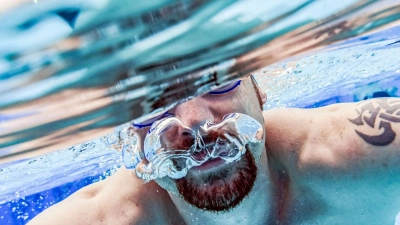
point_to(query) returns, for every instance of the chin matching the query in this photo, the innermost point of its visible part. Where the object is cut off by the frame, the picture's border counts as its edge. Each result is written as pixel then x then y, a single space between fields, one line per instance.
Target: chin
pixel 217 186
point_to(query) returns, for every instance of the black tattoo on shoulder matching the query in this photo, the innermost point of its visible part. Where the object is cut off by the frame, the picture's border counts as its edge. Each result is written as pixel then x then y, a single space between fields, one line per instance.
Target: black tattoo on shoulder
pixel 382 112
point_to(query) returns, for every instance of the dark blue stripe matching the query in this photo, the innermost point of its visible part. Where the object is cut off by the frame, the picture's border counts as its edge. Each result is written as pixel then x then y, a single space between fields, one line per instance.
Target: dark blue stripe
pixel 225 91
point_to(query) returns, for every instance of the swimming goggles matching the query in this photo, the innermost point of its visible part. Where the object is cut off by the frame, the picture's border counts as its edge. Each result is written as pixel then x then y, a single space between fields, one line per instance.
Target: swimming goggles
pixel 147 121
pixel 166 155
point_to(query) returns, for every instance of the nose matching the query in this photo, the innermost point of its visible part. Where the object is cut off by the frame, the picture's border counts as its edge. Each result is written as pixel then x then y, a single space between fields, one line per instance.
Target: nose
pixel 194 113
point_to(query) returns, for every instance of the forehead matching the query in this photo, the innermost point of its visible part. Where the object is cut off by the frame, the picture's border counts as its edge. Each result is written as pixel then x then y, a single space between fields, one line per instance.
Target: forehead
pixel 180 91
pixel 166 103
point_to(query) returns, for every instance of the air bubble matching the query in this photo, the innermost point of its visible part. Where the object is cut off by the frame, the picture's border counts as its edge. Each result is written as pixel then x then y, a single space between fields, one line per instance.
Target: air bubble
pixel 157 160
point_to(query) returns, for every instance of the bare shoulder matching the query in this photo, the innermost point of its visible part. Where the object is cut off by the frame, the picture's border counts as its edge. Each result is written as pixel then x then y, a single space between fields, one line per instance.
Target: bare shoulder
pixel 337 135
pixel 286 128
pixel 338 152
pixel 79 208
pixel 119 199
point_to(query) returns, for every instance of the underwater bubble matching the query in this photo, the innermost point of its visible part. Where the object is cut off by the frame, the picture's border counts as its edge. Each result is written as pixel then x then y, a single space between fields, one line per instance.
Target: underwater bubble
pixel 166 154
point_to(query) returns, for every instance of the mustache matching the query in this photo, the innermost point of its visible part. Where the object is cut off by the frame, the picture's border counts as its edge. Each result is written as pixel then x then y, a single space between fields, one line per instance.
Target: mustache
pixel 212 137
pixel 206 141
pixel 214 145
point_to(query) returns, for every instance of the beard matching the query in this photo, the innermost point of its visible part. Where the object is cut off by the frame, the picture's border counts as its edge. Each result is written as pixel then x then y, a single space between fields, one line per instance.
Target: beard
pixel 222 190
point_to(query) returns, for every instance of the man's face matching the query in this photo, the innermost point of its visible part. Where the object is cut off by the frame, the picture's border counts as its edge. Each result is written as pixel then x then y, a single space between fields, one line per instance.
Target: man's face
pixel 216 185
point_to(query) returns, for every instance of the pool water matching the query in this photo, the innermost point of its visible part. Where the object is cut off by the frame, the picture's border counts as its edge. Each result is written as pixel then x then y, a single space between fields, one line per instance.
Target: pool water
pixel 357 69
pixel 30 186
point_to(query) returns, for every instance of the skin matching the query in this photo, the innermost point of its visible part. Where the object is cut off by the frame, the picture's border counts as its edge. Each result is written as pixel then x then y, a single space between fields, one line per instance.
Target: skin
pixel 319 166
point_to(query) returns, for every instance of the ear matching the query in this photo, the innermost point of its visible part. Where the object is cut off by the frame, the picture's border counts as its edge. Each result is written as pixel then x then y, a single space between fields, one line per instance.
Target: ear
pixel 263 95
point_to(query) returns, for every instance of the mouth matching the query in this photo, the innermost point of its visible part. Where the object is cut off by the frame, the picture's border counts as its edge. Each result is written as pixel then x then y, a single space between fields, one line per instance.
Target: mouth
pixel 221 190
pixel 216 162
pixel 210 166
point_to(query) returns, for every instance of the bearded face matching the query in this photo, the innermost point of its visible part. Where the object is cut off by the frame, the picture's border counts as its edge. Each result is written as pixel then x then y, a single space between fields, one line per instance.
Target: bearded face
pixel 221 188
pixel 215 185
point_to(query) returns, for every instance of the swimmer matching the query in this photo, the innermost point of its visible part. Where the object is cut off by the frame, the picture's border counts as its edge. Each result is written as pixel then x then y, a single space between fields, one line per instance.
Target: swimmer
pixel 337 164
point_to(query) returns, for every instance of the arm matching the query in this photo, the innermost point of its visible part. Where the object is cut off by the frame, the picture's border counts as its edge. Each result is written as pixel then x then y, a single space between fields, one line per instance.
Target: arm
pixel 79 208
pixel 339 135
pixel 104 202
pixel 119 199
pixel 345 151
pixel 361 136
pixel 344 155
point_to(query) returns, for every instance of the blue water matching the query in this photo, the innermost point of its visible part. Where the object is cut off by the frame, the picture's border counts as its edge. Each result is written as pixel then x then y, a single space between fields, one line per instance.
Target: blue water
pixel 358 69
pixel 30 186
pixel 21 210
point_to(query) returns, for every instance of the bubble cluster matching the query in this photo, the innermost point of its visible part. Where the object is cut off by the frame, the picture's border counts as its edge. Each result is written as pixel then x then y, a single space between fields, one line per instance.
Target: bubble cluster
pixel 160 157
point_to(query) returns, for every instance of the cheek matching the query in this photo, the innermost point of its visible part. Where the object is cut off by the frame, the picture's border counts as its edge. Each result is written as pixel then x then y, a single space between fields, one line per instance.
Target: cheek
pixel 248 104
pixel 245 102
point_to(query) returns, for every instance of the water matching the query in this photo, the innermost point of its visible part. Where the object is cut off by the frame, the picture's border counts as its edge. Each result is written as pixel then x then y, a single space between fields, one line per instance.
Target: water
pixel 357 69
pixel 30 186
pixel 345 74
pixel 115 59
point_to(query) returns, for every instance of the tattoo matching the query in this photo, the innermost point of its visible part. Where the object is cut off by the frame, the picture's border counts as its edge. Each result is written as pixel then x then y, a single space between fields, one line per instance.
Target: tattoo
pixel 386 112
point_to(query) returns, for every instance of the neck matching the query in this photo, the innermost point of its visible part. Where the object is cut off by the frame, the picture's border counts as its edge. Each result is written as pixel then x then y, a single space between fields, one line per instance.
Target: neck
pixel 254 209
